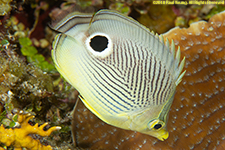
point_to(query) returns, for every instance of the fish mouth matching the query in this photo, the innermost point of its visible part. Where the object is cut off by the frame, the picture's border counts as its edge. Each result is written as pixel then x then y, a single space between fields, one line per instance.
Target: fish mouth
pixel 164 136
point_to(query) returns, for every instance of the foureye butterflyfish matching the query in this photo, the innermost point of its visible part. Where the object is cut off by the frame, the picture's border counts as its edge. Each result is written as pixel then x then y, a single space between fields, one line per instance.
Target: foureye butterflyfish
pixel 125 74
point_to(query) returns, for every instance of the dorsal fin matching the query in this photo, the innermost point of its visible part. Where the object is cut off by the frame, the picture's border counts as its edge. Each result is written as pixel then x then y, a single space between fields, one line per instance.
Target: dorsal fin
pixel 71 20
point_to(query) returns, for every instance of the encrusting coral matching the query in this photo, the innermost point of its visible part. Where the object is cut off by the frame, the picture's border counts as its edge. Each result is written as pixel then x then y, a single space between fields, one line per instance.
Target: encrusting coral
pixel 25 87
pixel 19 137
pixel 5 7
pixel 197 115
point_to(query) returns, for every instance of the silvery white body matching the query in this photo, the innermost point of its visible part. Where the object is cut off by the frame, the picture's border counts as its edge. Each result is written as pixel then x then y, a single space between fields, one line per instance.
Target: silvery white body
pixel 129 83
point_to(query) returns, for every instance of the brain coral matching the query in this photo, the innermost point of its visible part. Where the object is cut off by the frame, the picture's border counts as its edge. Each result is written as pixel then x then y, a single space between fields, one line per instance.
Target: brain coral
pixel 197 116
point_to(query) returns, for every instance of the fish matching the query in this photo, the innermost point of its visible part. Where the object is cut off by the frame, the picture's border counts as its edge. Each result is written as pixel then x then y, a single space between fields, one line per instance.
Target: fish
pixel 125 74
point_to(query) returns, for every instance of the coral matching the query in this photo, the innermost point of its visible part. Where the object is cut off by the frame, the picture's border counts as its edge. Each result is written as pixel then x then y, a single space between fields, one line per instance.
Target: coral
pixel 197 115
pixel 18 137
pixel 22 85
pixel 5 7
pixel 25 87
pixel 158 18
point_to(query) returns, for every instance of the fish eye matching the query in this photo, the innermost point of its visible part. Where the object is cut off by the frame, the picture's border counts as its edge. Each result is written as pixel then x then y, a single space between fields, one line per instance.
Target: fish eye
pixel 99 44
pixel 156 124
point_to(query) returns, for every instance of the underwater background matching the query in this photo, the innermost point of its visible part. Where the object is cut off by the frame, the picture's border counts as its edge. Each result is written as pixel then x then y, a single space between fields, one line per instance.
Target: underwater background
pixel 30 82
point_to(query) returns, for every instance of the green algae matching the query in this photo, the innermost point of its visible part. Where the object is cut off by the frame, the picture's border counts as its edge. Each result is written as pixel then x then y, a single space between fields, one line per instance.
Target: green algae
pixel 33 56
pixel 4 43
pixel 215 10
pixel 121 7
pixel 180 21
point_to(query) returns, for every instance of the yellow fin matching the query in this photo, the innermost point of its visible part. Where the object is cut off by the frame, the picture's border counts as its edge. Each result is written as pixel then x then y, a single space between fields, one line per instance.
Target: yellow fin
pixel 92 109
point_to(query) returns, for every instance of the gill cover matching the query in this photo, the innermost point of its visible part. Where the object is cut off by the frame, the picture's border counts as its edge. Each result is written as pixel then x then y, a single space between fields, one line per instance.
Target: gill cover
pixel 125 74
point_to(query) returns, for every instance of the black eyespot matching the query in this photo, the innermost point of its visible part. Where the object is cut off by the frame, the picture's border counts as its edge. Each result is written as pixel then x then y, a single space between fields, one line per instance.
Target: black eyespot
pixel 99 43
pixel 157 126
